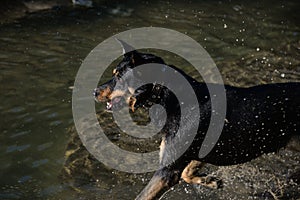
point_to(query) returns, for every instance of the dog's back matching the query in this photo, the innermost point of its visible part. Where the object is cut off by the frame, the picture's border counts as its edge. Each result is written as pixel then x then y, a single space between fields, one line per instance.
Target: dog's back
pixel 259 120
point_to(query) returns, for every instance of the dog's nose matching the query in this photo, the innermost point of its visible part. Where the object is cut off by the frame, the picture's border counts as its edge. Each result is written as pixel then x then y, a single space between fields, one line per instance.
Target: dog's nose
pixel 96 92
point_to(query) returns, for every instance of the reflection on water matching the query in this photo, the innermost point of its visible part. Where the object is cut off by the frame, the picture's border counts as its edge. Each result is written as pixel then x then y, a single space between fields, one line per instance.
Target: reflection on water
pixel 251 43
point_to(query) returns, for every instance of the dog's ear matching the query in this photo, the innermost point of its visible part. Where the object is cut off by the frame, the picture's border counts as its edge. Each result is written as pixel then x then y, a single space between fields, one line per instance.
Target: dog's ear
pixel 127 49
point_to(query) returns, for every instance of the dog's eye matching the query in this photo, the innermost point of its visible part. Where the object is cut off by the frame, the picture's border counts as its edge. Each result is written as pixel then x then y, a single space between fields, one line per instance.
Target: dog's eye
pixel 118 75
pixel 115 72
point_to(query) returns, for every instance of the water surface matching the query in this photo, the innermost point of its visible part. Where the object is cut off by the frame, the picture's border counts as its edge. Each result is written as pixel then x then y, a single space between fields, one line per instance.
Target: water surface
pixel 251 42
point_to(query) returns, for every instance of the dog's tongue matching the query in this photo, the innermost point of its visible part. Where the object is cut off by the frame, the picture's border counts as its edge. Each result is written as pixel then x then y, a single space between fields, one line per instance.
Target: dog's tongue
pixel 116 100
pixel 109 104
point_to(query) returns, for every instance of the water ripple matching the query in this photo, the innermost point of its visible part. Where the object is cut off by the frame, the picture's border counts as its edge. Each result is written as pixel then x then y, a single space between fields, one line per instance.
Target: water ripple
pixel 17 148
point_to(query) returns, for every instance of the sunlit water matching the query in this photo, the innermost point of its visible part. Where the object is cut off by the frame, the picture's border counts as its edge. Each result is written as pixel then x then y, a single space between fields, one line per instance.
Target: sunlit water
pixel 252 43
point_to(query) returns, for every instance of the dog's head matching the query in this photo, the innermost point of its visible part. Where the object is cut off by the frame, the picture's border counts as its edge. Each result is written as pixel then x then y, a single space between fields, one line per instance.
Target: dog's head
pixel 116 97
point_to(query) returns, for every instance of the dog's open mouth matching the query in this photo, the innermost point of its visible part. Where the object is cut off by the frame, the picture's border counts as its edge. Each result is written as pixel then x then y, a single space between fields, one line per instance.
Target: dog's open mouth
pixel 117 100
pixel 115 103
pixel 109 105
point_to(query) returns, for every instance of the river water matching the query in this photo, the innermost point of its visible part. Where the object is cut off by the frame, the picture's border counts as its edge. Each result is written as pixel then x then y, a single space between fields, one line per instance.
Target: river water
pixel 251 43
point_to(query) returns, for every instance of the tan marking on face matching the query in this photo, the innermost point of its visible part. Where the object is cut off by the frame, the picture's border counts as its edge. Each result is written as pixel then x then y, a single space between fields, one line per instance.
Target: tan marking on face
pixel 116 93
pixel 115 72
pixel 130 100
pixel 103 94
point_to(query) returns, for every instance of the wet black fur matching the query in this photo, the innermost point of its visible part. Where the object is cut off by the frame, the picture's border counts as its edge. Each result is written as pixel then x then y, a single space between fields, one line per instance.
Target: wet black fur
pixel 259 119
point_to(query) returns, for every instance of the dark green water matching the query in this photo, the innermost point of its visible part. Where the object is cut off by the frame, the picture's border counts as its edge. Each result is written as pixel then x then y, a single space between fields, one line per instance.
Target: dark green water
pixel 251 43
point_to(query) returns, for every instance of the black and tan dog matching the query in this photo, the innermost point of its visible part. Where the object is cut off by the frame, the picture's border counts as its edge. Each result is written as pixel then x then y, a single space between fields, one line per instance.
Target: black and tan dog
pixel 259 120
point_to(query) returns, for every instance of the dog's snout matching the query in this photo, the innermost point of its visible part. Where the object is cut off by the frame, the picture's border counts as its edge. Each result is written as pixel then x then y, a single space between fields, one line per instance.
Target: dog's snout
pixel 96 92
pixel 102 93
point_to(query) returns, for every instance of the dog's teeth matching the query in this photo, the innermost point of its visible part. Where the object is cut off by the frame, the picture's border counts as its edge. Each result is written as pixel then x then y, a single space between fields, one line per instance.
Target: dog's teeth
pixel 108 105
